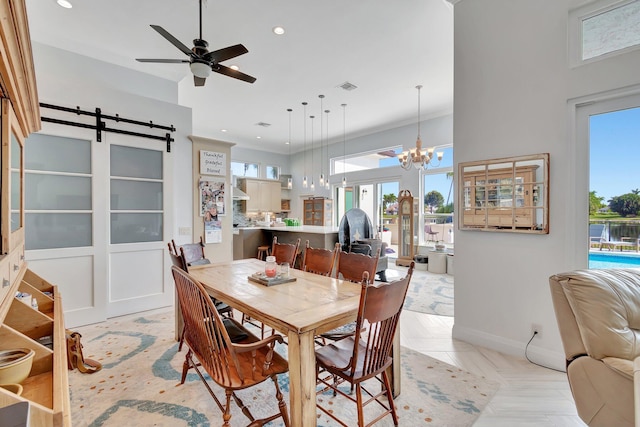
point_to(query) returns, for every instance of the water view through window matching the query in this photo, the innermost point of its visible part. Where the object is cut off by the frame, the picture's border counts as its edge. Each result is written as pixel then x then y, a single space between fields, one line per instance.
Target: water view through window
pixel 614 189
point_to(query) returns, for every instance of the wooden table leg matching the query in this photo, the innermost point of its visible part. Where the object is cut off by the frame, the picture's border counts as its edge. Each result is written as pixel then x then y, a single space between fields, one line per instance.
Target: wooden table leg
pixel 302 379
pixel 394 371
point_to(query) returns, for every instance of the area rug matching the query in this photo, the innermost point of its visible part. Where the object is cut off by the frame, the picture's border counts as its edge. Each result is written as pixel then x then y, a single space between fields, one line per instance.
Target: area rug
pixel 428 293
pixel 139 384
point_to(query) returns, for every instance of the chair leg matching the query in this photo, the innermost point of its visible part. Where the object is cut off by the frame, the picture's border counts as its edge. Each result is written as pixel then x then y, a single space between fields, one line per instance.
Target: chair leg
pixel 181 340
pixel 185 366
pixel 359 405
pixel 227 409
pixel 281 403
pixel 392 405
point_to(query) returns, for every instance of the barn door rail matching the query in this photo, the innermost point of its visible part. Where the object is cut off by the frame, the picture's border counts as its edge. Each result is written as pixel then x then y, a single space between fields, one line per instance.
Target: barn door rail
pixel 100 125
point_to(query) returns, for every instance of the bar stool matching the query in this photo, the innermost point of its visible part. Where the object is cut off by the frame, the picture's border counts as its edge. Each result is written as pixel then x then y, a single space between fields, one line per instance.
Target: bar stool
pixel 263 252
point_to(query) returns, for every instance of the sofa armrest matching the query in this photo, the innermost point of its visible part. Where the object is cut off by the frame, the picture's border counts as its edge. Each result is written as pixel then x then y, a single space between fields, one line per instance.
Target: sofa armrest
pixel 636 390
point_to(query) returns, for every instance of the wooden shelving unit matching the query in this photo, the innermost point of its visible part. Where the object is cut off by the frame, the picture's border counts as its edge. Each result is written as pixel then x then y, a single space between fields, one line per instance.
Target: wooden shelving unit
pixel 47 387
pixel 21 326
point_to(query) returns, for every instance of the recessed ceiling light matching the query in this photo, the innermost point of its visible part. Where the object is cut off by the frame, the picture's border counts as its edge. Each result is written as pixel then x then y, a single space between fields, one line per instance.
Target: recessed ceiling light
pixel 65 3
pixel 258 137
pixel 223 130
pixel 278 30
pixel 234 67
pixel 286 143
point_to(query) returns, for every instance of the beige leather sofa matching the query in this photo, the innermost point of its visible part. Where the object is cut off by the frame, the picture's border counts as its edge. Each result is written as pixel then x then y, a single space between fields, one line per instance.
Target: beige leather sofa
pixel 598 314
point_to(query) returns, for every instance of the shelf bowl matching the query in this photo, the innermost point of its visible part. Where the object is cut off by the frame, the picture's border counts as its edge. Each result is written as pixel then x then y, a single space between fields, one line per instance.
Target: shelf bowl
pixel 13 388
pixel 15 365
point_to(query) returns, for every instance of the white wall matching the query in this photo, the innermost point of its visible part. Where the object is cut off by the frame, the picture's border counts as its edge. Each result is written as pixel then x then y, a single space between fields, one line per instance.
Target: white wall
pixel 515 94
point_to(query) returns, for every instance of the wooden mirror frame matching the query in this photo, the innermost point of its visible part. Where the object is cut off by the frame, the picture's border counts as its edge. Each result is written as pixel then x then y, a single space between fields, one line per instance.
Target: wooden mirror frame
pixel 489 201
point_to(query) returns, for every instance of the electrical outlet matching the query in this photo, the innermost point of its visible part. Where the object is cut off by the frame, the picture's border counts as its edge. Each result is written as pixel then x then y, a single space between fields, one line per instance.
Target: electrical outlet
pixel 536 327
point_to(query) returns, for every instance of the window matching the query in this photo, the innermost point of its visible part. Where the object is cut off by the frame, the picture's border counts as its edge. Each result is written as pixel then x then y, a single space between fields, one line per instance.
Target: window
pixel 250 170
pixel 365 161
pixel 58 179
pixel 273 172
pixel 603 28
pixel 136 195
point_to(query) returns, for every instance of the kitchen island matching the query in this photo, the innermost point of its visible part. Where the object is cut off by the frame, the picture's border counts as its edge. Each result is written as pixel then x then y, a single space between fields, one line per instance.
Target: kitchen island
pixel 247 239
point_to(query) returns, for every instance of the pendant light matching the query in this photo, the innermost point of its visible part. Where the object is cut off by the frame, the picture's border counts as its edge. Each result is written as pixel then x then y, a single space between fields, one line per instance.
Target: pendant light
pixel 304 117
pixel 321 180
pixel 312 186
pixel 328 162
pixel 289 180
pixel 344 145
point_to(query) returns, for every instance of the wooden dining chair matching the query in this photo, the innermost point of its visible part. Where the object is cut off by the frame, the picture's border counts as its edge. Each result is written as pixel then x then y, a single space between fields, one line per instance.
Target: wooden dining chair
pixel 319 260
pixel 194 253
pixel 352 264
pixel 179 261
pixel 285 252
pixel 367 353
pixel 233 366
pixel 351 267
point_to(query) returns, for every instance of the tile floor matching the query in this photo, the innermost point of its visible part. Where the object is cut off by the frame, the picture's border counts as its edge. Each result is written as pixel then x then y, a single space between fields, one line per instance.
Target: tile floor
pixel 529 395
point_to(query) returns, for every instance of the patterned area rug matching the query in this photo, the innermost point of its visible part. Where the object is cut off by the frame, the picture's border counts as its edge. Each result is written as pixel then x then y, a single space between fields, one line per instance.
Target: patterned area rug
pixel 139 384
pixel 428 293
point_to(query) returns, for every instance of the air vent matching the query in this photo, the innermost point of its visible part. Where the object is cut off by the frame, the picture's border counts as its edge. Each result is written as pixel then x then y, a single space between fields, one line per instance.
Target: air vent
pixel 348 86
pixel 263 124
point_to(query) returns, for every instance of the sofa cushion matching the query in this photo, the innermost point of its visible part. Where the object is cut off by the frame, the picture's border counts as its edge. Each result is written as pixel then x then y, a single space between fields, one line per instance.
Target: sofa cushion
pixel 606 305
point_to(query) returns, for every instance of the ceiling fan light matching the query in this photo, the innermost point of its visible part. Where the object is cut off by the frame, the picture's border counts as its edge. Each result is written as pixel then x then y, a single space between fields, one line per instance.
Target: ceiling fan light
pixel 200 69
pixel 64 3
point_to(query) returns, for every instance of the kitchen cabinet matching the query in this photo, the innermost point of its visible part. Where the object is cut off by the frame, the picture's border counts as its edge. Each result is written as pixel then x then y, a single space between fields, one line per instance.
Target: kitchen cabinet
pixel 264 195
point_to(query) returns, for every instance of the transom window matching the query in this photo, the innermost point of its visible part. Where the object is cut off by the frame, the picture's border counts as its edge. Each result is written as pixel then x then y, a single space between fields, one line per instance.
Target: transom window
pixel 250 170
pixel 603 28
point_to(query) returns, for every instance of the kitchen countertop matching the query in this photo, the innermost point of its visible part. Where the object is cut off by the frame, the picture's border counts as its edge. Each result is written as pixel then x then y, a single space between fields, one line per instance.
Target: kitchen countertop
pixel 312 229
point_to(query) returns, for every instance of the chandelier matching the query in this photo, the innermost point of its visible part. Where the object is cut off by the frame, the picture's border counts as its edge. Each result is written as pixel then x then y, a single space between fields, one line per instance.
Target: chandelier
pixel 419 158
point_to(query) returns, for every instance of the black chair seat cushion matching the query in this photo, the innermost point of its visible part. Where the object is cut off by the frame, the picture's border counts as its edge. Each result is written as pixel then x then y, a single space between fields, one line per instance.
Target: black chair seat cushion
pixel 236 332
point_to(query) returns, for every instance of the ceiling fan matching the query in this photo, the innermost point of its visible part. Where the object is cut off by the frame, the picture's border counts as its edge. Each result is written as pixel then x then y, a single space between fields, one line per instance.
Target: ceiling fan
pixel 201 61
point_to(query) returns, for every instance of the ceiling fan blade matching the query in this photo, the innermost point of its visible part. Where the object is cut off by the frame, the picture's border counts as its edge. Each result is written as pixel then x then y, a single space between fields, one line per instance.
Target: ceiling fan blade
pixel 198 81
pixel 174 41
pixel 166 61
pixel 233 73
pixel 226 53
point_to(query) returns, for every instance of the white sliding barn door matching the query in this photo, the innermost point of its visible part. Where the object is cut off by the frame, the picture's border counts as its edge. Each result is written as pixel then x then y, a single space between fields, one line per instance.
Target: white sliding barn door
pixel 96 219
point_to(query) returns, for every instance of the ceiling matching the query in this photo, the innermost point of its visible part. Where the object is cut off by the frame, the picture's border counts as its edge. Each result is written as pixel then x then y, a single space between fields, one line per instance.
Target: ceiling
pixel 384 48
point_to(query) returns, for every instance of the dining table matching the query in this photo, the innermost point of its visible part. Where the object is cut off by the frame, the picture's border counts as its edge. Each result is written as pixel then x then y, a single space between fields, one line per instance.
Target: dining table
pixel 300 310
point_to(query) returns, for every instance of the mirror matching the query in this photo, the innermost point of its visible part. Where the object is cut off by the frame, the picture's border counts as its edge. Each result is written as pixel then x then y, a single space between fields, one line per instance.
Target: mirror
pixel 505 195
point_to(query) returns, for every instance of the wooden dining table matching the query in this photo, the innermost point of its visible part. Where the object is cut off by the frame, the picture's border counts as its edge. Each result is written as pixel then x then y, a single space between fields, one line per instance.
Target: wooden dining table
pixel 311 305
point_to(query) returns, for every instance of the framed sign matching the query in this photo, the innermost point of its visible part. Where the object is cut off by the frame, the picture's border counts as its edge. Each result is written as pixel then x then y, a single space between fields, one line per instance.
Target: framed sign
pixel 213 163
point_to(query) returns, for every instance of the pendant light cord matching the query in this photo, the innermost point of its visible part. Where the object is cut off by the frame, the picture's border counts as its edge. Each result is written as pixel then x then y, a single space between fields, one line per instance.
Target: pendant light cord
pixel 419 87
pixel 304 121
pixel 344 142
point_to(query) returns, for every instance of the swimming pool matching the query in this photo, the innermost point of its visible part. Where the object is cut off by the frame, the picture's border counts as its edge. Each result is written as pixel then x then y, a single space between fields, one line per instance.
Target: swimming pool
pixel 598 261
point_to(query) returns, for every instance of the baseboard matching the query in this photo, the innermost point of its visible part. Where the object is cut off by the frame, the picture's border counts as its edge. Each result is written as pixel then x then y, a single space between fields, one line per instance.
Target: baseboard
pixel 538 355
